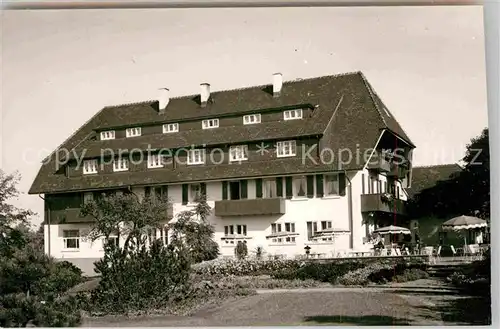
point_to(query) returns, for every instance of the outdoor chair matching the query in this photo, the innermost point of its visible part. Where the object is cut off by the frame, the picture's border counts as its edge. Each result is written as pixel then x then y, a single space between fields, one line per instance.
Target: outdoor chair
pixel 454 252
pixel 398 252
pixel 383 252
pixel 436 255
pixel 407 251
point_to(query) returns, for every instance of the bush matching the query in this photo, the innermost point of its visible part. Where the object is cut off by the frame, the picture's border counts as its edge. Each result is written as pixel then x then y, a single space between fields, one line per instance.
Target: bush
pixel 224 267
pixel 324 272
pixel 475 278
pixel 139 280
pixel 241 250
pixel 401 271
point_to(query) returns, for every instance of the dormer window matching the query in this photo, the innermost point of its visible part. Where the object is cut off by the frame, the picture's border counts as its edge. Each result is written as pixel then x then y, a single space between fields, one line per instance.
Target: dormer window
pixel 157 160
pixel 210 123
pixel 251 119
pixel 133 132
pixel 238 153
pixel 89 167
pixel 292 114
pixel 120 164
pixel 110 134
pixel 170 128
pixel 196 157
pixel 286 149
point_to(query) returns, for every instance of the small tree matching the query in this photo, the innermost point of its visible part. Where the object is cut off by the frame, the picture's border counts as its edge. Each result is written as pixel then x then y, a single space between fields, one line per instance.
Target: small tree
pixel 193 228
pixel 241 250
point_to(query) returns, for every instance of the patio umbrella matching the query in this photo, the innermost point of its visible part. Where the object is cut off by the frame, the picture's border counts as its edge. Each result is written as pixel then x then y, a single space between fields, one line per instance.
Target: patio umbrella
pixel 463 223
pixel 392 230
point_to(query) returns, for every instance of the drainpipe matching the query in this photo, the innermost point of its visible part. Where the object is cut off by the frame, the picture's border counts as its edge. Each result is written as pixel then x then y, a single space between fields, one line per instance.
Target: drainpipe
pixel 48 223
pixel 349 210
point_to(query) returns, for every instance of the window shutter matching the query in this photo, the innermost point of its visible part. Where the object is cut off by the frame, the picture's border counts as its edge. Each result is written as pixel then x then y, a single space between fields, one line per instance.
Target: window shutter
pixel 319 186
pixel 244 189
pixel 279 186
pixel 258 188
pixel 147 191
pixel 185 192
pixel 342 184
pixel 165 191
pixel 310 186
pixel 224 190
pixel 289 187
pixel 362 183
pixel 203 187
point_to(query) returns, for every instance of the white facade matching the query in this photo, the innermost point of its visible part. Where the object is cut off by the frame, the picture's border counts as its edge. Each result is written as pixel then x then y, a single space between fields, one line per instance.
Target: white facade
pixel 299 211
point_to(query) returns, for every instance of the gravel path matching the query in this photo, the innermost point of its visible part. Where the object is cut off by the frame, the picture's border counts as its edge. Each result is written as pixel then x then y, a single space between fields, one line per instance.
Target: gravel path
pixel 291 308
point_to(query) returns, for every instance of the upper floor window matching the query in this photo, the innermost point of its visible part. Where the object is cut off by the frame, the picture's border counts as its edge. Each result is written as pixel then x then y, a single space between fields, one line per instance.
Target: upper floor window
pixel 292 114
pixel 170 128
pixel 110 134
pixel 332 184
pixel 269 188
pixel 251 119
pixel 196 157
pixel 285 227
pixel 71 239
pixel 89 167
pixel 194 192
pixel 286 149
pixel 235 229
pixel 157 160
pixel 238 153
pixel 210 123
pixel 300 187
pixel 133 132
pixel 120 164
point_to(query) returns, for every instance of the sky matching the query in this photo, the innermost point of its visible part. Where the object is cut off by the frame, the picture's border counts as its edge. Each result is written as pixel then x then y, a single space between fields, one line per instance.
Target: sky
pixel 60 67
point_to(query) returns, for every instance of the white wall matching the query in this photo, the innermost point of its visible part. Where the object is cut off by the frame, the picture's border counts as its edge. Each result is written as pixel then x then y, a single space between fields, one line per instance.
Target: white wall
pixel 298 211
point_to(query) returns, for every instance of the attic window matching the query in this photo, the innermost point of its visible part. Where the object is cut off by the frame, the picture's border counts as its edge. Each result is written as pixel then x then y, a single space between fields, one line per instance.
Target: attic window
pixel 286 149
pixel 157 160
pixel 120 164
pixel 89 167
pixel 251 119
pixel 210 123
pixel 196 156
pixel 133 132
pixel 292 114
pixel 170 128
pixel 110 134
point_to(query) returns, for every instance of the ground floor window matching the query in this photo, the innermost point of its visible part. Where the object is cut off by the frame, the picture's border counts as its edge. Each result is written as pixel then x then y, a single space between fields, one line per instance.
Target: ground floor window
pixel 234 233
pixel 71 239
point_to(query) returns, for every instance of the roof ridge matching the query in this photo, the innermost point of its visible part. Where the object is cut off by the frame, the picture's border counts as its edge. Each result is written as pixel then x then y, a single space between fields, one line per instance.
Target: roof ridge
pixel 439 165
pixel 243 88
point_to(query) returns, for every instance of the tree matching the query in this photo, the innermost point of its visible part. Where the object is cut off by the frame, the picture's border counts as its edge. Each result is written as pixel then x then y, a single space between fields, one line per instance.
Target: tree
pixel 27 276
pixel 467 193
pixel 128 216
pixel 193 228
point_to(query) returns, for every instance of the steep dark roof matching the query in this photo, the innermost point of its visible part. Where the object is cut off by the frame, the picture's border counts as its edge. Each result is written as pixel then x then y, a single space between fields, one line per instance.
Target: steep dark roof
pixel 428 176
pixel 345 106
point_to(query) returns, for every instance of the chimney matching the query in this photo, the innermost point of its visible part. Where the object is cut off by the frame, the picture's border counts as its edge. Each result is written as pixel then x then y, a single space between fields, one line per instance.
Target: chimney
pixel 277 84
pixel 163 98
pixel 205 94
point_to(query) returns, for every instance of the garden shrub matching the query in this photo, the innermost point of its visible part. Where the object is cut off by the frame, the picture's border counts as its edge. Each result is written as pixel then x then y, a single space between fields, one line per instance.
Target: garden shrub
pixel 222 267
pixel 241 250
pixel 139 280
pixel 475 277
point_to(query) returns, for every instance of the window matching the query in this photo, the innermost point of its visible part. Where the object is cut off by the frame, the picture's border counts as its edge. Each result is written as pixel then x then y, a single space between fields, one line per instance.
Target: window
pixel 210 123
pixel 133 132
pixel 300 187
pixel 112 240
pixel 292 114
pixel 110 134
pixel 234 190
pixel 71 239
pixel 332 184
pixel 269 186
pixel 288 227
pixel 157 160
pixel 235 229
pixel 170 128
pixel 312 228
pixel 251 119
pixel 120 164
pixel 196 157
pixel 238 153
pixel 194 192
pixel 89 167
pixel 286 149
pixel 88 197
pixel 325 225
pixel 164 235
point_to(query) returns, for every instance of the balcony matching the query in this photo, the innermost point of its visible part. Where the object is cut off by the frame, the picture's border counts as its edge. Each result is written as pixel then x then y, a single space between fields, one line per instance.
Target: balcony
pixel 72 215
pixel 397 171
pixel 375 203
pixel 250 207
pixel 379 166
